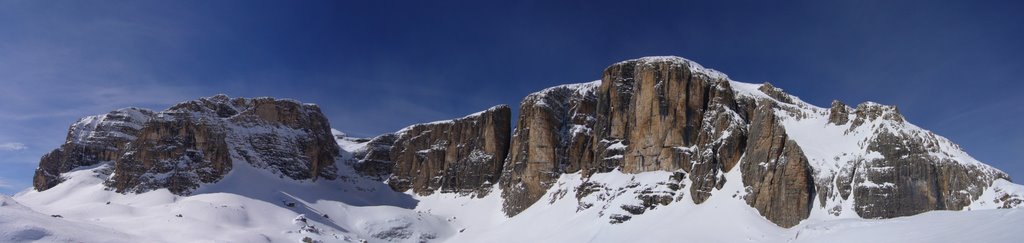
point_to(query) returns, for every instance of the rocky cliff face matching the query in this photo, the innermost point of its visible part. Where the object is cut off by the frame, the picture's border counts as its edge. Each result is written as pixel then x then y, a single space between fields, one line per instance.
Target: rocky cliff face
pixel 196 142
pixel 654 110
pixel 688 132
pixel 91 140
pixel 375 160
pixel 776 172
pixel 552 137
pixel 671 114
pixel 463 155
pixel 910 171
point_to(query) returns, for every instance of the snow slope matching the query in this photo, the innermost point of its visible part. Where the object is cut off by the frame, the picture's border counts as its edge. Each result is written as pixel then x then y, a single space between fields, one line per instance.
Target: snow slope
pixel 21 224
pixel 833 149
pixel 722 218
pixel 252 205
pixel 248 205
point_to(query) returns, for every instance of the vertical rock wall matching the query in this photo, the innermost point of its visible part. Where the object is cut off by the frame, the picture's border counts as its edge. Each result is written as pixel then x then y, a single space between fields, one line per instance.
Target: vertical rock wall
pixel 463 155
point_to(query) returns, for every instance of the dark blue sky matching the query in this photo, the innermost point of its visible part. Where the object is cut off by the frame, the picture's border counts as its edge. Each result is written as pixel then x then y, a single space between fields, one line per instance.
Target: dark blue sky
pixel 377 66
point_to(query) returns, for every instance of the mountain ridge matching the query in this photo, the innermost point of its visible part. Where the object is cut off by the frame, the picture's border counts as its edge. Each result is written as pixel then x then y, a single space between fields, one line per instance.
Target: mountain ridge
pixel 654 134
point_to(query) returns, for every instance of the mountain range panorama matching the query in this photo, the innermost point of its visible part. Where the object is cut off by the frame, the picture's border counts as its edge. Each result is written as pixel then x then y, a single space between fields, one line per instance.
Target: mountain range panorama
pixel 787 159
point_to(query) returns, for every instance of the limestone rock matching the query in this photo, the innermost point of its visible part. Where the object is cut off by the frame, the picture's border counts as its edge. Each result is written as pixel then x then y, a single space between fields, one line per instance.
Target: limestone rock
pixel 463 155
pixel 174 154
pixel 376 160
pixel 776 93
pixel 648 114
pixel 654 107
pixel 671 114
pixel 720 145
pixel 90 141
pixel 839 114
pixel 668 113
pixel 775 171
pixel 197 142
pixel 870 111
pixel 909 178
pixel 553 136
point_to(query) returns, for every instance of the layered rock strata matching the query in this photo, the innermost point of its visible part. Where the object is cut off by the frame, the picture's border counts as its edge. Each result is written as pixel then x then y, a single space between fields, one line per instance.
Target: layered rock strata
pixel 196 142
pixel 463 155
pixel 671 114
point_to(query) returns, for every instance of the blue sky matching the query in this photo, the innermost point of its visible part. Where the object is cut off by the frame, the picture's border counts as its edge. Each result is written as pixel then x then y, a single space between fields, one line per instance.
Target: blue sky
pixel 953 67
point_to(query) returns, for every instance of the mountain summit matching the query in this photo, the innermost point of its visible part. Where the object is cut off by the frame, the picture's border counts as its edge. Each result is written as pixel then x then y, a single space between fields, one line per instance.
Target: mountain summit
pixel 657 143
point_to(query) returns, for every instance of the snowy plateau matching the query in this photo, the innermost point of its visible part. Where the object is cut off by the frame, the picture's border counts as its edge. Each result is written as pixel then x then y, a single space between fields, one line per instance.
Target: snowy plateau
pixel 254 202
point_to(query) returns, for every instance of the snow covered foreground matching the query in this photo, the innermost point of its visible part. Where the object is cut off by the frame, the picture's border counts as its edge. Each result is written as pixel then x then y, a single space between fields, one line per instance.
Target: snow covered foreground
pixel 251 205
pixel 256 205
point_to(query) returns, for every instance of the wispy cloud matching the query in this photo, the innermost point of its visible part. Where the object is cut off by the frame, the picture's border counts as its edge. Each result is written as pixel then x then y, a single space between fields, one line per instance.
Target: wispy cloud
pixel 4 184
pixel 12 146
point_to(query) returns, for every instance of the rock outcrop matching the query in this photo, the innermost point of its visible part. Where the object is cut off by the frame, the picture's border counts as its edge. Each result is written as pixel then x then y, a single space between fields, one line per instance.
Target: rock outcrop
pixel 553 136
pixel 651 114
pixel 913 173
pixel 375 161
pixel 176 154
pixel 464 155
pixel 197 142
pixel 776 172
pixel 90 141
pixel 839 114
pixel 671 114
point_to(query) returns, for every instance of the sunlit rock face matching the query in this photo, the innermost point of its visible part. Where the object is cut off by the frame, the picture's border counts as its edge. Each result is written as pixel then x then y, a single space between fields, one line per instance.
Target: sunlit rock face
pixel 553 136
pixel 671 114
pixel 676 130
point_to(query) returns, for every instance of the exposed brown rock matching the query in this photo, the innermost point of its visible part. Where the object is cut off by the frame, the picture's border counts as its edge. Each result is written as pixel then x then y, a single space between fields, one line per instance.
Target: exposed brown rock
pixel 553 136
pixel 91 141
pixel 671 114
pixel 909 180
pixel 668 114
pixel 648 114
pixel 196 142
pixel 654 108
pixel 173 154
pixel 776 93
pixel 657 114
pixel 775 171
pixel 463 155
pixel 720 145
pixel 1010 201
pixel 281 135
pixel 870 111
pixel 839 113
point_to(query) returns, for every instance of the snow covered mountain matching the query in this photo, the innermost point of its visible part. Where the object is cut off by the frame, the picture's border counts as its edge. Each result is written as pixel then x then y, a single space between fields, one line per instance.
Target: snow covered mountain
pixel 661 149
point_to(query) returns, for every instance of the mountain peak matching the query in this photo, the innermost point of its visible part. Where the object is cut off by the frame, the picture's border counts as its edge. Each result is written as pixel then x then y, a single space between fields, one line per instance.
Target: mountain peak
pixel 653 140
